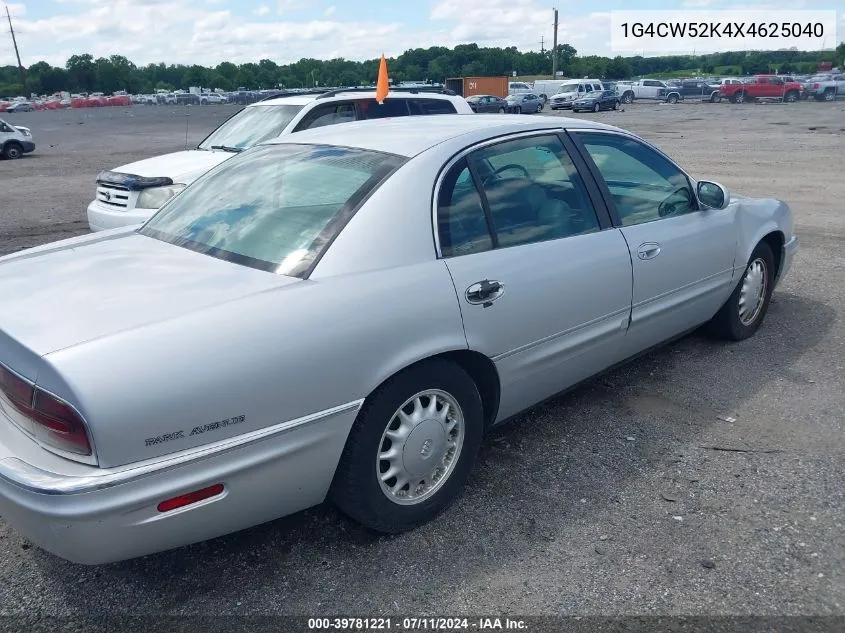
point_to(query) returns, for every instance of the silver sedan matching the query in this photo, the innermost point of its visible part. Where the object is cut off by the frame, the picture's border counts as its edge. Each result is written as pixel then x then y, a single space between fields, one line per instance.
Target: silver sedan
pixel 344 316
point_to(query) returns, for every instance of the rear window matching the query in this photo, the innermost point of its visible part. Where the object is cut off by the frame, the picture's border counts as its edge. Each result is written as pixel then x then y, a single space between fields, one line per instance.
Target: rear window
pixel 274 208
pixel 433 106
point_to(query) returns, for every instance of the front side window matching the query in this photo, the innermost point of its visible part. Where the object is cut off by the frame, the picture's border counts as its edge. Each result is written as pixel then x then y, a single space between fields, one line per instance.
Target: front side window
pixel 251 126
pixel 533 191
pixel 275 208
pixel 644 185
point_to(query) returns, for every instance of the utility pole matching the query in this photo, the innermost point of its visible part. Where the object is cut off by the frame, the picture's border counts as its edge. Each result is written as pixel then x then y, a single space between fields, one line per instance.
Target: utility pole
pixel 17 54
pixel 542 45
pixel 554 50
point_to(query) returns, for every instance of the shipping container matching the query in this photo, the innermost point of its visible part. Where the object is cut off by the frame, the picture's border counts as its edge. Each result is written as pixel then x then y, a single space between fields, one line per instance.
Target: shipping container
pixel 468 86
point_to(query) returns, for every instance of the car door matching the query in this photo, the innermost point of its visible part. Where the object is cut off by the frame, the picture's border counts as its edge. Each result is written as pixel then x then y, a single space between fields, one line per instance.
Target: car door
pixel 543 280
pixel 682 253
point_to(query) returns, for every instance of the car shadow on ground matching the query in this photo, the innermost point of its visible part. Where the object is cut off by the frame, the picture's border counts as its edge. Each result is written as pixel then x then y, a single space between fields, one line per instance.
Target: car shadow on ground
pixel 566 466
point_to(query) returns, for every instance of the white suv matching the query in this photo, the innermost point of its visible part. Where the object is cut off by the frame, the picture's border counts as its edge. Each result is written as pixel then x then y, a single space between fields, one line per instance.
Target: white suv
pixel 132 193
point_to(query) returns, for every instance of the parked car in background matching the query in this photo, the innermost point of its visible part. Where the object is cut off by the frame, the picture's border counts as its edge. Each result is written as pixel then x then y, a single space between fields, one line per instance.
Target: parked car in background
pixel 20 106
pixel 519 88
pixel 211 98
pixel 761 87
pixel 652 89
pixel 698 89
pixel 524 103
pixel 596 100
pixel 245 302
pixel 15 140
pixel 572 90
pixel 487 103
pixel 131 193
pixel 826 87
pixel 546 88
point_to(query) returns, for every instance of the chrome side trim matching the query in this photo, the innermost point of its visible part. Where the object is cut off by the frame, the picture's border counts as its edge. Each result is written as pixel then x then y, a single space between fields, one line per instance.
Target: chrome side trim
pixel 34 479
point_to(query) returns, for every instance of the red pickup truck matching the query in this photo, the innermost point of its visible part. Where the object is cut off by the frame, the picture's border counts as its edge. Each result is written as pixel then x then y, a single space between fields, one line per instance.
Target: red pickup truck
pixel 761 87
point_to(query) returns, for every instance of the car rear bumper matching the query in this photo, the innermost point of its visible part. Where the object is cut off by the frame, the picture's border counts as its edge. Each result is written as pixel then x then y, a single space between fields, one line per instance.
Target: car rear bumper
pixel 101 219
pixel 787 256
pixel 107 515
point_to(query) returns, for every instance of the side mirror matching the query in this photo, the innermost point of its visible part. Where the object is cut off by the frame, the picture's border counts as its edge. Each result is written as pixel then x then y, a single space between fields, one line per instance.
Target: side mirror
pixel 713 195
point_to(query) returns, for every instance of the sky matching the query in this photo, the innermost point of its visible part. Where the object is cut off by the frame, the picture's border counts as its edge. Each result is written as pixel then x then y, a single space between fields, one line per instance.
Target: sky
pixel 207 32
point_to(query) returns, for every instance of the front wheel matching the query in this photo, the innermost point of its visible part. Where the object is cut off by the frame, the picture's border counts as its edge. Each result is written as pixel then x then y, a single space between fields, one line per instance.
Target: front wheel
pixel 791 96
pixel 411 448
pixel 829 95
pixel 743 313
pixel 627 97
pixel 672 99
pixel 616 105
pixel 518 110
pixel 501 110
pixel 12 151
pixel 596 108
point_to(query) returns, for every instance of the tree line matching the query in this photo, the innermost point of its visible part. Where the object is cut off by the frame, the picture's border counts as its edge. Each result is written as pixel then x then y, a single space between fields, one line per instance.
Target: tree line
pixel 85 73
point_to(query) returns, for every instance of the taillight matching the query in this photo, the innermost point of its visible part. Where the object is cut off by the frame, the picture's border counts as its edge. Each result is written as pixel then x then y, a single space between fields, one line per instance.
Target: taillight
pixel 59 425
pixel 19 393
pixel 53 422
pixel 815 86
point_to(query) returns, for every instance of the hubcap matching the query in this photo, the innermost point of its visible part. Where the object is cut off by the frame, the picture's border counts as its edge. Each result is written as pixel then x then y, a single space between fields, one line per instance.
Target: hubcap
pixel 420 447
pixel 753 292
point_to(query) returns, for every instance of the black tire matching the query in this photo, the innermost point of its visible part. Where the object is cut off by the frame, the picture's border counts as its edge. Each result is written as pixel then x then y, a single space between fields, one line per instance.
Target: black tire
pixel 627 97
pixel 501 110
pixel 672 99
pixel 616 104
pixel 597 107
pixel 540 108
pixel 518 110
pixel 727 323
pixel 12 150
pixel 829 95
pixel 713 97
pixel 739 97
pixel 791 96
pixel 356 489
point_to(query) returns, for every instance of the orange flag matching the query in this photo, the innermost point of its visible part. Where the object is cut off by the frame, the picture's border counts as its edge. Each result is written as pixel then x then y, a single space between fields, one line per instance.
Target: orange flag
pixel 382 87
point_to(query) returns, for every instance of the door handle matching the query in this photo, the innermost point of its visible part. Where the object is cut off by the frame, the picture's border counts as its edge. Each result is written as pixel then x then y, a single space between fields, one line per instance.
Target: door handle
pixel 484 292
pixel 648 250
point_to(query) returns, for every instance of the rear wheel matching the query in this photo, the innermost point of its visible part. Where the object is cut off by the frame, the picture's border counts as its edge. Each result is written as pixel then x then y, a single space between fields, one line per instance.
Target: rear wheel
pixel 501 110
pixel 829 94
pixel 743 313
pixel 627 97
pixel 739 97
pixel 411 448
pixel 672 99
pixel 12 151
pixel 616 104
pixel 518 109
pixel 791 96
pixel 597 107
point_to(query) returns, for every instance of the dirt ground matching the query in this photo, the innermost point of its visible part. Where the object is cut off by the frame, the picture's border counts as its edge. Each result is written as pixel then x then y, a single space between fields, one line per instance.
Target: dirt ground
pixel 703 479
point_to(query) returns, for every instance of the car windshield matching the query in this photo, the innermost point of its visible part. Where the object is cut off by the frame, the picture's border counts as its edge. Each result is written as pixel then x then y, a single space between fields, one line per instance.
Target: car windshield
pixel 275 208
pixel 251 126
pixel 568 88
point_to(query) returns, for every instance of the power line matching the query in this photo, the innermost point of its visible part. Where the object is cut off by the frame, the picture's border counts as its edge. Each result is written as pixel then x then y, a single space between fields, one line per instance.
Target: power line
pixel 17 53
pixel 542 45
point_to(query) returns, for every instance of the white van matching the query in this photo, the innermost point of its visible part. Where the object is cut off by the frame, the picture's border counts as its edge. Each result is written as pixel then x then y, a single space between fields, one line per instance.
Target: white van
pixel 15 140
pixel 573 89
pixel 545 88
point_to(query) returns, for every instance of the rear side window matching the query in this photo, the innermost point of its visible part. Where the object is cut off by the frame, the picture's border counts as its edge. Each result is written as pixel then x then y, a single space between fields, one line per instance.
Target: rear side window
pixel 372 109
pixel 435 106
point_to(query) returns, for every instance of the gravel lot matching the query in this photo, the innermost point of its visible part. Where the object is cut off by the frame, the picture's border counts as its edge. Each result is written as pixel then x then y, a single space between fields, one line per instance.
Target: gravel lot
pixel 626 496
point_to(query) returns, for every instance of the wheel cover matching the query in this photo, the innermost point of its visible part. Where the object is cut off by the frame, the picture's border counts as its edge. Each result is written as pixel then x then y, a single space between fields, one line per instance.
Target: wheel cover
pixel 829 96
pixel 740 98
pixel 752 294
pixel 420 447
